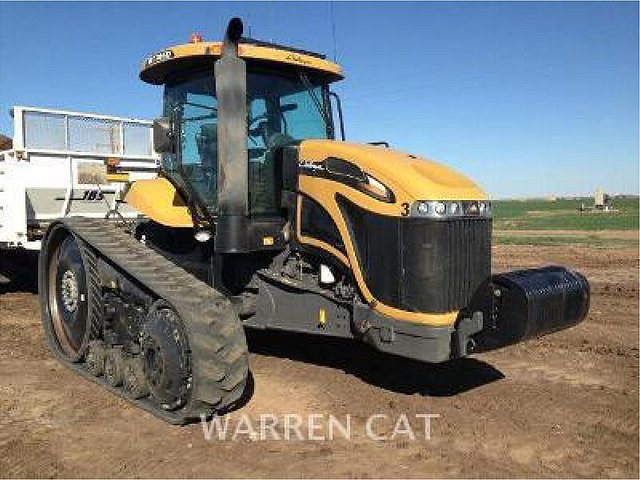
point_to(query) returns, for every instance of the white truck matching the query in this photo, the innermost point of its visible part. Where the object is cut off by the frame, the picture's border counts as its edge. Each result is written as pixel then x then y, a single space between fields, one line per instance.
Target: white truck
pixel 68 164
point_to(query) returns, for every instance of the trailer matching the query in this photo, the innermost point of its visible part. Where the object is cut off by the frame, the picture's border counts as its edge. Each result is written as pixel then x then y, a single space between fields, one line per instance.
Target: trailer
pixel 63 164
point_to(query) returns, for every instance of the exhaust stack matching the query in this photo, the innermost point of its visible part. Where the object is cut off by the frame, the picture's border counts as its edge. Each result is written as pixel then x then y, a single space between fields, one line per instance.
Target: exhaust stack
pixel 233 169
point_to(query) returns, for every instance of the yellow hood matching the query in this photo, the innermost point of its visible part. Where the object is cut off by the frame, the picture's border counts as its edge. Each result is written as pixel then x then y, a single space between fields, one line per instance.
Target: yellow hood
pixel 409 176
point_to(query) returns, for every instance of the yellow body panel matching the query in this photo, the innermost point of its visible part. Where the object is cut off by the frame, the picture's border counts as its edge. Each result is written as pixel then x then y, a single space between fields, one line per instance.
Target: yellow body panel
pixel 159 200
pixel 411 178
pixel 154 68
pixel 258 52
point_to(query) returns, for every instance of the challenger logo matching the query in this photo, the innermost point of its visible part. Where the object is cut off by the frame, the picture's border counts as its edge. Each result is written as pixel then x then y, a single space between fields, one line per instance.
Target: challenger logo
pixel 311 168
pixel 292 57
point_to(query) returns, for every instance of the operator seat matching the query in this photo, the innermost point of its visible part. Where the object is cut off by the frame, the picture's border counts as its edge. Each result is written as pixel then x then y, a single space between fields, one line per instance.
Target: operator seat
pixel 207 141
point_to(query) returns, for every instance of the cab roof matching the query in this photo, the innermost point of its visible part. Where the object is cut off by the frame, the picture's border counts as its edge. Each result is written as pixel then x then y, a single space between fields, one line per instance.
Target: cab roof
pixel 161 66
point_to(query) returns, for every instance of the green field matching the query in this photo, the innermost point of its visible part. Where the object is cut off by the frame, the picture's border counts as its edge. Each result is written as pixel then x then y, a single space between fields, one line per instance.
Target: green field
pixel 563 215
pixel 555 240
pixel 512 217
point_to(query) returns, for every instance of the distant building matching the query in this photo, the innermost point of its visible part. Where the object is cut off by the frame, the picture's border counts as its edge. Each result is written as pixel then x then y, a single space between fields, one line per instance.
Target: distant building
pixel 601 200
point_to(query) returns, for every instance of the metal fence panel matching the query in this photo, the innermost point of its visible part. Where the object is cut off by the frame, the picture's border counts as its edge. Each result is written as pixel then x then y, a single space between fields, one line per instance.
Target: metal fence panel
pixel 137 139
pixel 65 131
pixel 94 135
pixel 45 130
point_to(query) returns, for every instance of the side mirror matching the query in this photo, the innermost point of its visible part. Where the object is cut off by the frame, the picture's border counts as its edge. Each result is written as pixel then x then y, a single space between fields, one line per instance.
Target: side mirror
pixel 163 141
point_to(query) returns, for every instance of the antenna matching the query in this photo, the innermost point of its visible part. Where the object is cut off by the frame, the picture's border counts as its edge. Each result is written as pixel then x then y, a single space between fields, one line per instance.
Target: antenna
pixel 333 32
pixel 272 18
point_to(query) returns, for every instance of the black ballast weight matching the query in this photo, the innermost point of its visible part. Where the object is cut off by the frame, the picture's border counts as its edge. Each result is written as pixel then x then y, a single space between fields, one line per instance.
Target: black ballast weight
pixel 534 302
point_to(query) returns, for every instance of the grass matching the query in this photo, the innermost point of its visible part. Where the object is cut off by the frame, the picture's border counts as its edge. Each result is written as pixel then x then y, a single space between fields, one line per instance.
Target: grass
pixel 564 215
pixel 551 240
pixel 512 216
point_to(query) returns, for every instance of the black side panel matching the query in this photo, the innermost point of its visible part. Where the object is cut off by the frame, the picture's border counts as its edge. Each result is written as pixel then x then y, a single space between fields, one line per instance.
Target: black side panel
pixel 417 264
pixel 284 306
pixel 377 240
pixel 317 223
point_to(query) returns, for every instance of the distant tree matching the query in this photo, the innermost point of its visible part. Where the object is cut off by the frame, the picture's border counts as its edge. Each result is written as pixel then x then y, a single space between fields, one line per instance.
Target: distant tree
pixel 5 143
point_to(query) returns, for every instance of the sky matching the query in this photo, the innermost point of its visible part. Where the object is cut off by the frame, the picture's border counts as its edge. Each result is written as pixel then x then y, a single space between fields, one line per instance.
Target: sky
pixel 526 98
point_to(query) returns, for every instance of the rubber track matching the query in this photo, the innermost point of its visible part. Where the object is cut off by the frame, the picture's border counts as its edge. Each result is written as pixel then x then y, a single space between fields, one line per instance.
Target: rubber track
pixel 219 354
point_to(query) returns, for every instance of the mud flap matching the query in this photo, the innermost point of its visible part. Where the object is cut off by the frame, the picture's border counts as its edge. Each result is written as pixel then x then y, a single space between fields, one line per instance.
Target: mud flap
pixel 531 303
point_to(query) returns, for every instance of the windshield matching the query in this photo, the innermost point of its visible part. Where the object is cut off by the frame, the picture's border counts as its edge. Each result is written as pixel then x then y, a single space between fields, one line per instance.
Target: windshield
pixel 280 110
pixel 291 106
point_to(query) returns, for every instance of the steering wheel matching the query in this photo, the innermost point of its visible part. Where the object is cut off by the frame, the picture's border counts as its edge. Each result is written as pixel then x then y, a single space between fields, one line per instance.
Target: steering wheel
pixel 271 139
pixel 258 129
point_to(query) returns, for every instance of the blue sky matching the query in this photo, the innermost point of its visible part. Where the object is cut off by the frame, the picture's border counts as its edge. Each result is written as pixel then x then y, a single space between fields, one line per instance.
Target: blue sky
pixel 526 98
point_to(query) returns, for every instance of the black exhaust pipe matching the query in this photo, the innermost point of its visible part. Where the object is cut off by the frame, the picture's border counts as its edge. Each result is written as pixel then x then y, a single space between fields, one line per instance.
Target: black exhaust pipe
pixel 233 167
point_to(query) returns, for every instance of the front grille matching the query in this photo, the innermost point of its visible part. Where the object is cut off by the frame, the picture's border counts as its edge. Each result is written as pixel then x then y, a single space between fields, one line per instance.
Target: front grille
pixel 418 264
pixel 444 262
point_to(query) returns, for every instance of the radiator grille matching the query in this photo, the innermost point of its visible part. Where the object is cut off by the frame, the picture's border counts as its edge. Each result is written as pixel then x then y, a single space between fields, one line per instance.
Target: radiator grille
pixel 444 262
pixel 418 264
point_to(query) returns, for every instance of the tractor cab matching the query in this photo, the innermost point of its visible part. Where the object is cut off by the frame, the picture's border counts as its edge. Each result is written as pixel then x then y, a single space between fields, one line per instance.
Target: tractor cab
pixel 240 98
pixel 282 107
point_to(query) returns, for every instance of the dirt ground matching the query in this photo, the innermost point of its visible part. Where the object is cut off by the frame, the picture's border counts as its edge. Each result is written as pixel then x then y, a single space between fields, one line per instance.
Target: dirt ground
pixel 564 405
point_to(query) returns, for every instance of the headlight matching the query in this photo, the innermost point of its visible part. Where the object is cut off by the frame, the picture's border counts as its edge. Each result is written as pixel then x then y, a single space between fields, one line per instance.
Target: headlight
pixel 486 208
pixel 423 208
pixel 345 172
pixel 376 188
pixel 449 208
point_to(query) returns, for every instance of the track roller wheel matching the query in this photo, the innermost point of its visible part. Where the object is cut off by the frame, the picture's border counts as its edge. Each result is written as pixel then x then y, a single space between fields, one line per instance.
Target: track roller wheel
pixel 114 366
pixel 134 382
pixel 95 358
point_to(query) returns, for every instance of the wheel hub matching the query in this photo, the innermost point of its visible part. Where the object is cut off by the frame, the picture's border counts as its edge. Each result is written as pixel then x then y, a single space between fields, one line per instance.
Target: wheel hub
pixel 69 291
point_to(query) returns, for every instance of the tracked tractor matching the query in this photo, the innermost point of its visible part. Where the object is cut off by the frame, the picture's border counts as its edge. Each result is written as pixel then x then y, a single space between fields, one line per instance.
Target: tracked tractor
pixel 262 218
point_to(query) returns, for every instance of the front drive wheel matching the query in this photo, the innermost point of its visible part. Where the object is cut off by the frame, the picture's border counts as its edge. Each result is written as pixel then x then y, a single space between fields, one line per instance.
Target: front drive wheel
pixel 165 357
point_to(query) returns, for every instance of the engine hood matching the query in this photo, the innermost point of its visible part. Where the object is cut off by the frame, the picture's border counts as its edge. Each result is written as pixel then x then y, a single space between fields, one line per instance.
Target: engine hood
pixel 409 176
